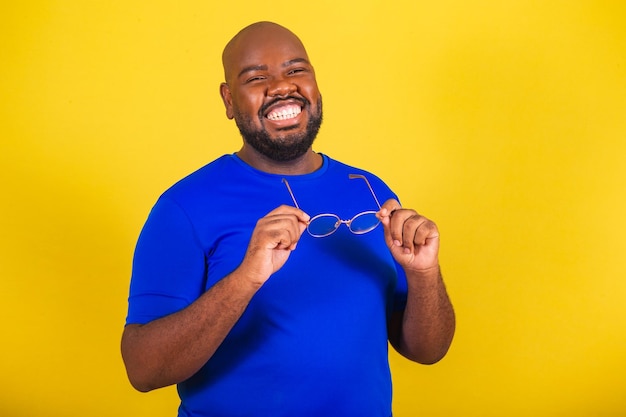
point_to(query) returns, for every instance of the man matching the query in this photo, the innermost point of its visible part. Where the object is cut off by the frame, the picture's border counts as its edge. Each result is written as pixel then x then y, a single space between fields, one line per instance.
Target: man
pixel 268 282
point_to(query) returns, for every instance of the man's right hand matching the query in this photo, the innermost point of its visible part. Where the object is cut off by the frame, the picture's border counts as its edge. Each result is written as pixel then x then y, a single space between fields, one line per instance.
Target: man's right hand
pixel 274 237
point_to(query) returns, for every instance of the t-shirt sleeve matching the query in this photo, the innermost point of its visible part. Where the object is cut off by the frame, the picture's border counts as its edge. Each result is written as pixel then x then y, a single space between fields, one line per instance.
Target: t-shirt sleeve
pixel 401 290
pixel 168 265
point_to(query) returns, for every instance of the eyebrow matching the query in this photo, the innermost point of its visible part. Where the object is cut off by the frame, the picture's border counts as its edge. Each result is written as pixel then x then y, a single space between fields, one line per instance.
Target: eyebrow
pixel 264 67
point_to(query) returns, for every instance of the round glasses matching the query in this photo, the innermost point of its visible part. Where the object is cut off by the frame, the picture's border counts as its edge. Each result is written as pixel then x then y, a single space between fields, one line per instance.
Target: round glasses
pixel 326 224
pixel 323 225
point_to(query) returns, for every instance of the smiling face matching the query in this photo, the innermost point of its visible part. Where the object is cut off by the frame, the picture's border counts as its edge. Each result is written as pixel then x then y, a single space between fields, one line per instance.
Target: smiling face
pixel 271 91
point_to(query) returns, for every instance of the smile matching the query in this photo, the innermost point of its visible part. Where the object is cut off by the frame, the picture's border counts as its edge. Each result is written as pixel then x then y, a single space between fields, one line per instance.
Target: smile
pixel 284 113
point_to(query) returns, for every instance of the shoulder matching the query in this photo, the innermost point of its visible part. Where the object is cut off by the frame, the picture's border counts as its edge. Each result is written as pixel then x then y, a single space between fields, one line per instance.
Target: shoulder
pixel 202 179
pixel 342 169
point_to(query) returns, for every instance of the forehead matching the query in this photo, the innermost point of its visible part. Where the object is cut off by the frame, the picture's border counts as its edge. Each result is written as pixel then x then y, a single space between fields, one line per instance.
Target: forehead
pixel 262 47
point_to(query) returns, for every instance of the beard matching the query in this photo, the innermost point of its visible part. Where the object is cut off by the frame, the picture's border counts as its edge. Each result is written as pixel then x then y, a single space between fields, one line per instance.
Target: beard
pixel 286 147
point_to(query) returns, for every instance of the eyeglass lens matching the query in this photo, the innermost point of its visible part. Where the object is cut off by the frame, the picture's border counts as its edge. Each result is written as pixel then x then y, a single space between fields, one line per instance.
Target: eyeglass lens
pixel 325 224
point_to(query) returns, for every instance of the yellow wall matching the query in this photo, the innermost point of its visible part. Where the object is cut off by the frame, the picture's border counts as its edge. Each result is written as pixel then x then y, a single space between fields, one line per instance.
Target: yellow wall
pixel 505 121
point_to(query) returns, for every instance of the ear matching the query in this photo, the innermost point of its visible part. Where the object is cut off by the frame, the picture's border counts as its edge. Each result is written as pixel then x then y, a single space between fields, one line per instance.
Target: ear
pixel 227 99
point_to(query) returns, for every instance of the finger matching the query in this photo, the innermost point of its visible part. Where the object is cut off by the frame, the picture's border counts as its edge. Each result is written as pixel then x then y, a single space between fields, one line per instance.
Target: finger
pixel 290 210
pixel 418 233
pixel 291 213
pixel 411 232
pixel 281 228
pixel 384 214
pixel 387 209
pixel 426 232
pixel 283 231
pixel 401 230
pixel 284 238
pixel 425 244
pixel 275 236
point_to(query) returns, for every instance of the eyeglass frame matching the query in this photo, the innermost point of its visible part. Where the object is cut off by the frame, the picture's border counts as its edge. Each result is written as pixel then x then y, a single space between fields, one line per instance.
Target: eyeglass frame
pixel 340 221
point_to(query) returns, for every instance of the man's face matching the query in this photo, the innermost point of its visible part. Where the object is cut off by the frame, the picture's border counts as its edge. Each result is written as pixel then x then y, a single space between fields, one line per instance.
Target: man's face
pixel 272 94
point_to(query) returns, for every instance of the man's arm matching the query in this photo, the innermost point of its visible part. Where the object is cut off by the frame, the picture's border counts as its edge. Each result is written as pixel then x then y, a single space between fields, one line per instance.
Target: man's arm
pixel 423 331
pixel 173 348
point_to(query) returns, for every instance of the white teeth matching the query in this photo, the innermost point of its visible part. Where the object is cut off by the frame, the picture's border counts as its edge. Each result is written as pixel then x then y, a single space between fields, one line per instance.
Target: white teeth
pixel 286 113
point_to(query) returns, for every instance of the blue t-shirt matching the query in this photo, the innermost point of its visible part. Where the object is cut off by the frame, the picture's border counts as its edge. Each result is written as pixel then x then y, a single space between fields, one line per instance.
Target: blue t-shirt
pixel 313 340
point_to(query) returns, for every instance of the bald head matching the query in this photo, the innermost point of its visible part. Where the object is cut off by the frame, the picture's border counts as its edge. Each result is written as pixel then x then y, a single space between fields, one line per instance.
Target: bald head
pixel 247 45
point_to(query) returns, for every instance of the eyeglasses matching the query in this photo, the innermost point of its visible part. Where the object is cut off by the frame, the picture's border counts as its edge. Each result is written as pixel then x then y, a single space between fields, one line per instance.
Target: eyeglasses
pixel 326 224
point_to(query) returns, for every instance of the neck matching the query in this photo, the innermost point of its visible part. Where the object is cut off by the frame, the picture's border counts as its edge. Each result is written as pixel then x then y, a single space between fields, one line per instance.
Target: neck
pixel 307 163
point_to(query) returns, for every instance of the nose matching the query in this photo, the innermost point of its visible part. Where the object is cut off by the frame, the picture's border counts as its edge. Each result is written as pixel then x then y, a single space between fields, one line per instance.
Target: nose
pixel 280 87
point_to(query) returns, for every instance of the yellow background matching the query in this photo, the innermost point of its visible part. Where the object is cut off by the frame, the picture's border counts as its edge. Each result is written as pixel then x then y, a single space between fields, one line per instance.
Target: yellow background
pixel 504 121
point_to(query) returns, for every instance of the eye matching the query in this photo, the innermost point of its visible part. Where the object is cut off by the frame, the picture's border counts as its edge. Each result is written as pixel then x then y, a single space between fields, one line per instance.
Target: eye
pixel 296 71
pixel 255 79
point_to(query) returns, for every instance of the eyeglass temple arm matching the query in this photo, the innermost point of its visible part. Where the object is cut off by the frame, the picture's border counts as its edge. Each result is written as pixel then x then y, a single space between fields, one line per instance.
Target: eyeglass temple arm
pixel 353 176
pixel 291 193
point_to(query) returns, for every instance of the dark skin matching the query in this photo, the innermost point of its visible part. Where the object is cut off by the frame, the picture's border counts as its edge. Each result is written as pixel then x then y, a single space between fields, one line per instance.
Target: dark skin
pixel 262 62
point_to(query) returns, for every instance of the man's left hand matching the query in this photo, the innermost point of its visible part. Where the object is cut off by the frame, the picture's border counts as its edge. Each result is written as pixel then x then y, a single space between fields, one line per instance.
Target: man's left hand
pixel 412 238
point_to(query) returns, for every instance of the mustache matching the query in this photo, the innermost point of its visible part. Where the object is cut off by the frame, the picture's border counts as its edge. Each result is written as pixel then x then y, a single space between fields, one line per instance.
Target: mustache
pixel 267 105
